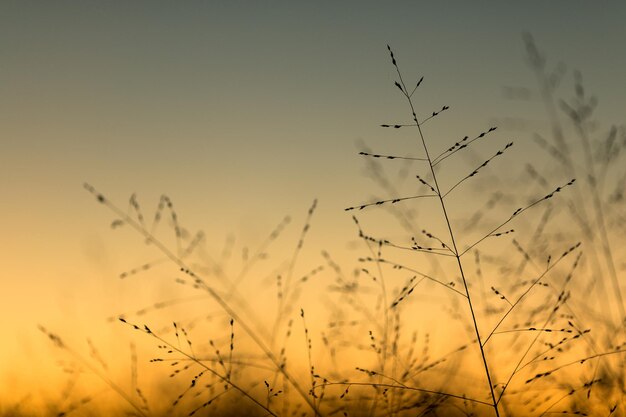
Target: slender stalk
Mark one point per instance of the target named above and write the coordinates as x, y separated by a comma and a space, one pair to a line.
403, 387
469, 298
193, 358
579, 208
57, 341
452, 238
600, 221
202, 284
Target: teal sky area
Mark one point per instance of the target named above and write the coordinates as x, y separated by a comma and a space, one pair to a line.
235, 102
243, 112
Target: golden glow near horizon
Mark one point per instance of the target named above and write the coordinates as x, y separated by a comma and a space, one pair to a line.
243, 117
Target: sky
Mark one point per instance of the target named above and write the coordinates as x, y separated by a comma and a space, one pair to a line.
242, 113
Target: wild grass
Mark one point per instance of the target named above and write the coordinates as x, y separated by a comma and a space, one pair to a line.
470, 307
593, 154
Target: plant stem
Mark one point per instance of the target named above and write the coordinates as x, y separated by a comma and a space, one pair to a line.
458, 260
203, 285
456, 252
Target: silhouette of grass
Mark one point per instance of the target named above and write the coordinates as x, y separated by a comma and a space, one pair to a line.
514, 339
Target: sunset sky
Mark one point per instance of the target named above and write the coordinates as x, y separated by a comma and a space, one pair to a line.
242, 113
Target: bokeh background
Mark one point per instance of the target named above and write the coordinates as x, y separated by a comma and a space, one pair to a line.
242, 113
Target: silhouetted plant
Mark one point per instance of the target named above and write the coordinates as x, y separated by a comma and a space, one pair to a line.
448, 246
522, 331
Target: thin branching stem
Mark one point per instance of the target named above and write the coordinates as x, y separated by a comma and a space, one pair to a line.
515, 214
560, 299
494, 403
428, 277
405, 387
193, 358
405, 158
55, 339
202, 284
391, 200
521, 297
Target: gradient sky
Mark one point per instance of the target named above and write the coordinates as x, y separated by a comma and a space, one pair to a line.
241, 112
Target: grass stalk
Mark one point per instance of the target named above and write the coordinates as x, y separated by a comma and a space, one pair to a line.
457, 256
201, 282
